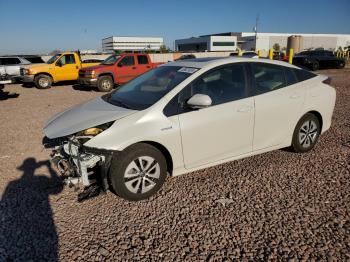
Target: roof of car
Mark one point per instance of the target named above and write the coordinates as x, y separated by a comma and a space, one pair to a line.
217, 61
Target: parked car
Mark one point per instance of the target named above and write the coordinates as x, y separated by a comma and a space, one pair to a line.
248, 54
34, 59
184, 57
188, 115
116, 69
60, 67
318, 59
11, 65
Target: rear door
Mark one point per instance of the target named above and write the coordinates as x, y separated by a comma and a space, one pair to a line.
278, 102
143, 64
126, 70
66, 68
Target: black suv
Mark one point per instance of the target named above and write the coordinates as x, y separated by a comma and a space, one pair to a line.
317, 59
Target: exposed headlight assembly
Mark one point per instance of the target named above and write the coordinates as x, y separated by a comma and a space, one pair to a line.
94, 131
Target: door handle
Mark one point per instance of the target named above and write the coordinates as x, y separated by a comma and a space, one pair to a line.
244, 109
76, 67
294, 96
148, 67
133, 67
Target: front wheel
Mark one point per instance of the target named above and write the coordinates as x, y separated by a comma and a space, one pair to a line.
315, 66
43, 81
306, 133
138, 172
105, 83
341, 65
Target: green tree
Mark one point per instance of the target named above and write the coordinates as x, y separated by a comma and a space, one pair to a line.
164, 49
276, 47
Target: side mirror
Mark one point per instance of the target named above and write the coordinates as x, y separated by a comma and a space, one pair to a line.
59, 63
199, 101
120, 65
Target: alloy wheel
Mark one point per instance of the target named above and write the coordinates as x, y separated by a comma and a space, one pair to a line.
142, 174
308, 133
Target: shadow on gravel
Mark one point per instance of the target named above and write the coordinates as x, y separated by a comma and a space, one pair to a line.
83, 88
7, 95
27, 229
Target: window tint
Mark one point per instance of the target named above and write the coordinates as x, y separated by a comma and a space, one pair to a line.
291, 78
67, 59
142, 59
1, 61
303, 75
267, 77
222, 85
128, 61
10, 61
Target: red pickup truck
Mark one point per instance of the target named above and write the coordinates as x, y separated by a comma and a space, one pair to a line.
116, 69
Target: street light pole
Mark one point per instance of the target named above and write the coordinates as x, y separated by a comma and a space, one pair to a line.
256, 31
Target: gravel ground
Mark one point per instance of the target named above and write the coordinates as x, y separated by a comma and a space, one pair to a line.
275, 206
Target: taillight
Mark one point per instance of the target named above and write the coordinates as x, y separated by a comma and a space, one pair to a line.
327, 81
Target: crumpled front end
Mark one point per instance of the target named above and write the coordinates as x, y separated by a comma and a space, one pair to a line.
79, 164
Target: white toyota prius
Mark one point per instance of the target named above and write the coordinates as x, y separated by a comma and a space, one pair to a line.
188, 115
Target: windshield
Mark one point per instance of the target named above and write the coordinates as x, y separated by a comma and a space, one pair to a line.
110, 60
147, 89
53, 59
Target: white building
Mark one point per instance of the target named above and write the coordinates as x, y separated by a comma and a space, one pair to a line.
265, 41
206, 43
126, 43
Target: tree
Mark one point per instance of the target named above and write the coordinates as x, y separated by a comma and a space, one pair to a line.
164, 49
276, 47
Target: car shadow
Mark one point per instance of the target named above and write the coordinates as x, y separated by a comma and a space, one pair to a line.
27, 228
4, 95
85, 88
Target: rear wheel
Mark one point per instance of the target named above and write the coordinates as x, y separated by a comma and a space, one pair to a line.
306, 133
138, 172
43, 81
105, 83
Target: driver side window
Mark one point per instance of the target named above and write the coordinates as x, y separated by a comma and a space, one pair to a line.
127, 61
67, 59
222, 85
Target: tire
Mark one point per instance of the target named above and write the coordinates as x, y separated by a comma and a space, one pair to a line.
341, 65
138, 172
43, 81
306, 133
315, 66
105, 83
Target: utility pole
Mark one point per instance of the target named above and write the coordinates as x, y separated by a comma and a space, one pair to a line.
256, 30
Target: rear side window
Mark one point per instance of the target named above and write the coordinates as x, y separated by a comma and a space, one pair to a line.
142, 60
127, 61
268, 77
303, 75
291, 78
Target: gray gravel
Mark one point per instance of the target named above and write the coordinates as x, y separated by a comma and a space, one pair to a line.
275, 206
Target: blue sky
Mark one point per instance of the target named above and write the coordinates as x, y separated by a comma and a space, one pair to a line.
39, 26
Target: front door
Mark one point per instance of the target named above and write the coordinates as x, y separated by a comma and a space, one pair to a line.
66, 68
223, 130
127, 69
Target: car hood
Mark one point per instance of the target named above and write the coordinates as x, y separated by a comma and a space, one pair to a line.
92, 113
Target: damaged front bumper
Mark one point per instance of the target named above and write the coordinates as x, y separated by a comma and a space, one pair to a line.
79, 164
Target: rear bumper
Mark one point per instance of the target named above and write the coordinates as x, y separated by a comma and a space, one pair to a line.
87, 81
